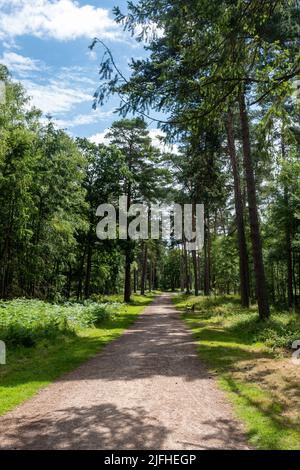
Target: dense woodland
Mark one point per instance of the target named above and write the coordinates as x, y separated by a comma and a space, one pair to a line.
224, 74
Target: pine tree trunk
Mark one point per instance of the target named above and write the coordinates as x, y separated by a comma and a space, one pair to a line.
182, 269
144, 269
127, 282
150, 276
261, 288
290, 293
239, 209
79, 285
135, 280
199, 272
127, 287
195, 266
69, 282
207, 256
194, 254
186, 269
88, 269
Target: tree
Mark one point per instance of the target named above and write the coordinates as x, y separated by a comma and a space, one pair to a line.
205, 62
105, 173
142, 178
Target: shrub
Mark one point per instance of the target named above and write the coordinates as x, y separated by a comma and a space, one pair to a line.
24, 322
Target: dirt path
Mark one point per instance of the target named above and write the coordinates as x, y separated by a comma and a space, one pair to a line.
146, 390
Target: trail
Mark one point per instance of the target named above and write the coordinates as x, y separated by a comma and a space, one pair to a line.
146, 390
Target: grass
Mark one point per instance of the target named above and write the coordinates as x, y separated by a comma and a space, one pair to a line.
251, 361
25, 322
28, 369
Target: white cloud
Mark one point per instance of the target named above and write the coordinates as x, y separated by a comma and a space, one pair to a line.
18, 63
155, 134
83, 119
77, 74
55, 90
58, 19
55, 97
99, 138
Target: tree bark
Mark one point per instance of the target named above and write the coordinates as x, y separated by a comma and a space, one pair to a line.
127, 287
127, 283
207, 283
261, 287
150, 276
239, 210
135, 280
186, 268
194, 255
144, 269
69, 281
182, 268
79, 285
289, 259
88, 268
195, 266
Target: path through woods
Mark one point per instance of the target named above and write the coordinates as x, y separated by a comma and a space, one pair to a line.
145, 390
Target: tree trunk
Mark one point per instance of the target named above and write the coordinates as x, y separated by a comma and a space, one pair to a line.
150, 276
182, 269
79, 286
289, 259
127, 286
290, 294
144, 269
199, 272
195, 266
239, 210
186, 267
135, 280
294, 278
261, 288
127, 283
194, 255
88, 268
207, 258
69, 282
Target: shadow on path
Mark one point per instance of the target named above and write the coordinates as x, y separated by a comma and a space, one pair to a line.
95, 427
146, 390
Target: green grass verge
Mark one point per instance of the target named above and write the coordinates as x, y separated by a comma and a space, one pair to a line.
29, 369
245, 354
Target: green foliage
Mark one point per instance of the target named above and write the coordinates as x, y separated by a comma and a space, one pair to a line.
26, 322
171, 270
29, 369
50, 188
207, 55
247, 358
276, 333
225, 263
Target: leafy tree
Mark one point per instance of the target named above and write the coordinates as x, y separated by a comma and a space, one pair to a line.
143, 175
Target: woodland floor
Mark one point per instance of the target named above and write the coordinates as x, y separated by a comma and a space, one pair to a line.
147, 389
249, 361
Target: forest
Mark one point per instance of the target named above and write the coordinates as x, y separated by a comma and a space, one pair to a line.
221, 81
233, 108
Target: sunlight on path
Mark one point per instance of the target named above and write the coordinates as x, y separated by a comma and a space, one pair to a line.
145, 390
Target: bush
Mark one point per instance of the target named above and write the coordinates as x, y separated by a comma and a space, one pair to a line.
25, 322
280, 331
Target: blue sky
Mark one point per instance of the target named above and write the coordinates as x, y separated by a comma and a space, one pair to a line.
45, 43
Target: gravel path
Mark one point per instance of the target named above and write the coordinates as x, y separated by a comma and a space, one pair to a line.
145, 390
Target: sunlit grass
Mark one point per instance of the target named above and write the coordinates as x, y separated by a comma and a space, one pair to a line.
28, 369
249, 360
